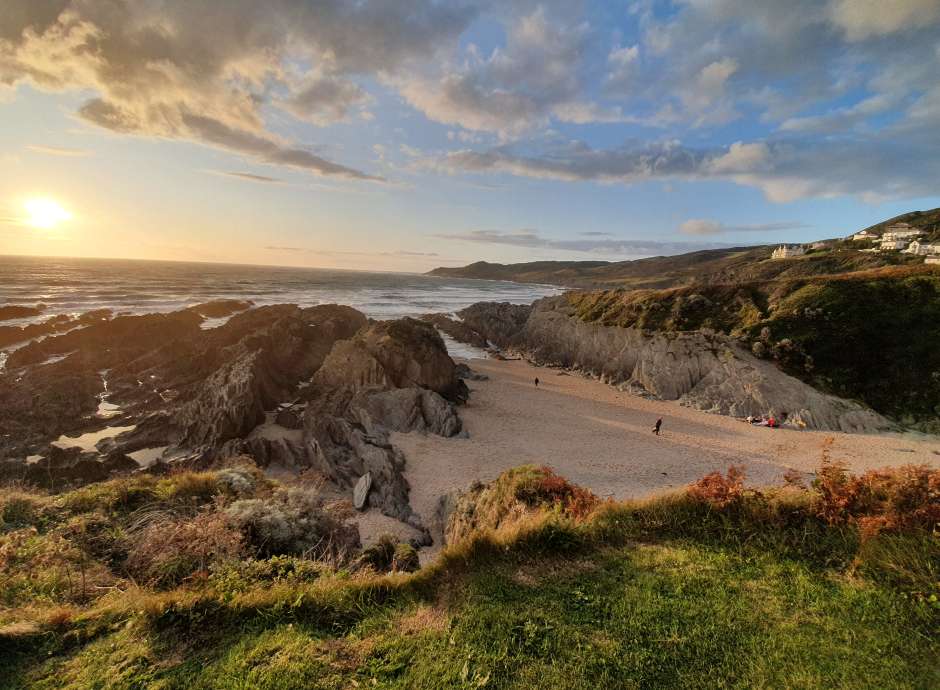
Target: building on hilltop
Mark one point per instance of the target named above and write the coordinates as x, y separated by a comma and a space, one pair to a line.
785, 251
892, 245
864, 235
919, 248
896, 233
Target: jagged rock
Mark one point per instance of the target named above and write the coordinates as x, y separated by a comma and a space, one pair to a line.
458, 330
499, 322
290, 418
393, 354
700, 369
405, 410
361, 491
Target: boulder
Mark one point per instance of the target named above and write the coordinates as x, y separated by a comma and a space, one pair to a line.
361, 491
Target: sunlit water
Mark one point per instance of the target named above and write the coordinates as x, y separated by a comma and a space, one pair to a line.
75, 286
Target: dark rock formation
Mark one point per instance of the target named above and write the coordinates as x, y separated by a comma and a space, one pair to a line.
220, 307
17, 311
499, 322
458, 330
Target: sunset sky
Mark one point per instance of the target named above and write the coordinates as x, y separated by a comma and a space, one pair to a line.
408, 134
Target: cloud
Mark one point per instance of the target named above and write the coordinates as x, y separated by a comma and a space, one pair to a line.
63, 151
701, 226
205, 71
324, 99
907, 155
250, 177
862, 19
605, 247
516, 88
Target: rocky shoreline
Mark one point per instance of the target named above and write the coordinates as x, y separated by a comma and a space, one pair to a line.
297, 390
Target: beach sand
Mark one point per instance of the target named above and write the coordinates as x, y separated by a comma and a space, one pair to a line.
597, 436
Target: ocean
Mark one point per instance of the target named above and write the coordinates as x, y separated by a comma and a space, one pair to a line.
75, 286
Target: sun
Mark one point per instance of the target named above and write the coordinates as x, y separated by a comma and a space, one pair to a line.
45, 213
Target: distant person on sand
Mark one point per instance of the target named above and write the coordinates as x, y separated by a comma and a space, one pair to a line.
659, 423
536, 381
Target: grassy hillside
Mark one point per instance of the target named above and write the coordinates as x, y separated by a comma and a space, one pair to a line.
544, 586
869, 335
734, 264
697, 268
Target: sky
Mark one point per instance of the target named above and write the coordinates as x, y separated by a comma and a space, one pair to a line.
406, 134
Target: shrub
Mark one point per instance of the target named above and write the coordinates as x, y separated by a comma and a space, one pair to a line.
888, 499
235, 480
194, 487
405, 559
293, 522
18, 509
719, 490
388, 554
166, 553
550, 489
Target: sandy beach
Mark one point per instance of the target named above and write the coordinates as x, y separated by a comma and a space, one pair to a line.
602, 438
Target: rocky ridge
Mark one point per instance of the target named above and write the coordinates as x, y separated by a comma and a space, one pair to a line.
700, 369
294, 389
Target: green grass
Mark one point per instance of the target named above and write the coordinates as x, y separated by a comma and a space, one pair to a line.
652, 615
656, 594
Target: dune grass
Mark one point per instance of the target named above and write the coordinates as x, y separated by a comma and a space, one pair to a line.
716, 587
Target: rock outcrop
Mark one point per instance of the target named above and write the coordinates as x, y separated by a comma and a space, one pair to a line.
700, 369
294, 389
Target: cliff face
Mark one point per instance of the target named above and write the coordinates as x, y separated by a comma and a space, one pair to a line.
703, 370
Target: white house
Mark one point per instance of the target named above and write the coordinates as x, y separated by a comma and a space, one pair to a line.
887, 245
901, 234
932, 260
864, 235
785, 251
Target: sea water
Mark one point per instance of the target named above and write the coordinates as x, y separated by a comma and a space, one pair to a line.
75, 286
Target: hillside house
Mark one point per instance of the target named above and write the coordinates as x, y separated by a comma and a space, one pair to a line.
864, 235
785, 251
919, 248
892, 245
932, 260
901, 234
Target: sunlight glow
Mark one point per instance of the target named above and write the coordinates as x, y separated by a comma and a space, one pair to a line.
45, 213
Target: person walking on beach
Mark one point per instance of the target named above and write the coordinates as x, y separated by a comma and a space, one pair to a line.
659, 423
536, 381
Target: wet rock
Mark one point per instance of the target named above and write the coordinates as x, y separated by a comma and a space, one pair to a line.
220, 307
17, 311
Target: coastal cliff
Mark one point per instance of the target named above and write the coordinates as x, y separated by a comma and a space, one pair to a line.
701, 369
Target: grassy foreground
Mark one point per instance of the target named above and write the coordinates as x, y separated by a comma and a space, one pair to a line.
542, 586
